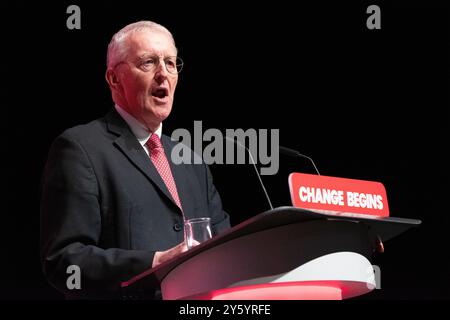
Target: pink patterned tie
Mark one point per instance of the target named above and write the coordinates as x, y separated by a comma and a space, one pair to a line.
159, 159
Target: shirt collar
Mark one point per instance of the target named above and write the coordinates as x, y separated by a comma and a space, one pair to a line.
139, 130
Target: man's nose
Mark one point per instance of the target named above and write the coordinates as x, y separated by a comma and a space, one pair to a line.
161, 72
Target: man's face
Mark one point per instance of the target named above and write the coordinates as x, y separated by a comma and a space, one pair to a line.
146, 87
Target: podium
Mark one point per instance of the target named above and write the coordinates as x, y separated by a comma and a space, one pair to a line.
285, 253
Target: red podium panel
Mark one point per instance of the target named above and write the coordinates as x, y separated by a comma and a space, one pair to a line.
296, 290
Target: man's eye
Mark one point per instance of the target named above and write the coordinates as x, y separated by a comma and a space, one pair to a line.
170, 63
149, 62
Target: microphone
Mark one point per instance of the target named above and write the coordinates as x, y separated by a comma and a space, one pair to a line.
238, 143
295, 153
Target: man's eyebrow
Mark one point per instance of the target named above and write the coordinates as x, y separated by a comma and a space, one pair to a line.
147, 54
152, 54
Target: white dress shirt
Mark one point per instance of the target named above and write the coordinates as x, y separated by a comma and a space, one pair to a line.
140, 131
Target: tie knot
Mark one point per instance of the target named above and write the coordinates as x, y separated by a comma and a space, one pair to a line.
154, 142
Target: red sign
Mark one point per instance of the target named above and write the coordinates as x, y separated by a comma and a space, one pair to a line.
338, 195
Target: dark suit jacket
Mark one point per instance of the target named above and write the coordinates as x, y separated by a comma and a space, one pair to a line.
105, 208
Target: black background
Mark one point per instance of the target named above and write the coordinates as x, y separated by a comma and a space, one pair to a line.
364, 104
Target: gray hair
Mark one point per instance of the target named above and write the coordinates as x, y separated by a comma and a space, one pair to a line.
117, 51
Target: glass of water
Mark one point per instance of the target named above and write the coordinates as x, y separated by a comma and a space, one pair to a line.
197, 230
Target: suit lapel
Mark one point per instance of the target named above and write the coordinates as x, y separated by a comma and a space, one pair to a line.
130, 146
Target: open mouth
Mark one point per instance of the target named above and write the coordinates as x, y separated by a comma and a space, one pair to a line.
160, 93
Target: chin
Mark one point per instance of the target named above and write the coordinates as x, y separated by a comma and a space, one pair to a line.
163, 112
159, 112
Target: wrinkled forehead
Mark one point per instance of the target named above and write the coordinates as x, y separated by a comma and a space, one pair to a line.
150, 42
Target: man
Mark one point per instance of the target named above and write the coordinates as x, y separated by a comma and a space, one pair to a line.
113, 203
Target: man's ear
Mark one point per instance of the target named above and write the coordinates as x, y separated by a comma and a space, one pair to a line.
112, 79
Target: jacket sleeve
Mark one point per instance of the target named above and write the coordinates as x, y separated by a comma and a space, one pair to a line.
71, 224
219, 218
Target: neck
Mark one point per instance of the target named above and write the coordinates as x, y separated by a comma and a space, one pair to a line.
151, 126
